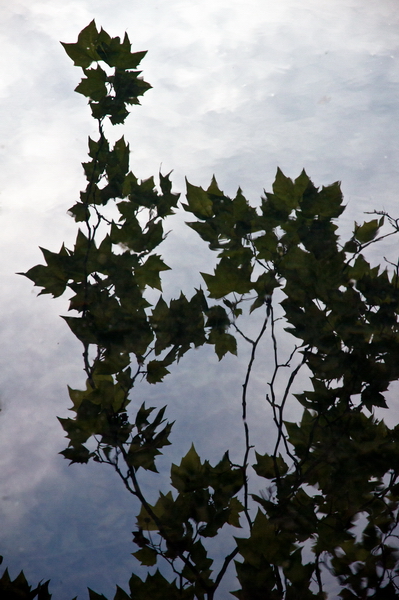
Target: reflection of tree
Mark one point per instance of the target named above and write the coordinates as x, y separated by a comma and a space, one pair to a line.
337, 464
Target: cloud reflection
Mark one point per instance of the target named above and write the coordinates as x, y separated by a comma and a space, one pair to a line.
239, 88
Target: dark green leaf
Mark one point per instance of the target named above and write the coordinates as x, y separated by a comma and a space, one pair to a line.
147, 556
366, 232
229, 277
93, 86
199, 202
270, 467
84, 52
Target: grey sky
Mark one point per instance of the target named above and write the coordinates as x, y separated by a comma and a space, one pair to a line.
240, 87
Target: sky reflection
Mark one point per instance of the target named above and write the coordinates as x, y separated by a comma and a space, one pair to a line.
239, 89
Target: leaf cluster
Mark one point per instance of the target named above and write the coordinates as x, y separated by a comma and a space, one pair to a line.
19, 588
125, 82
344, 314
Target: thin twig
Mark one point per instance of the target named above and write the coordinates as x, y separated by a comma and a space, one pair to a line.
278, 409
244, 414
